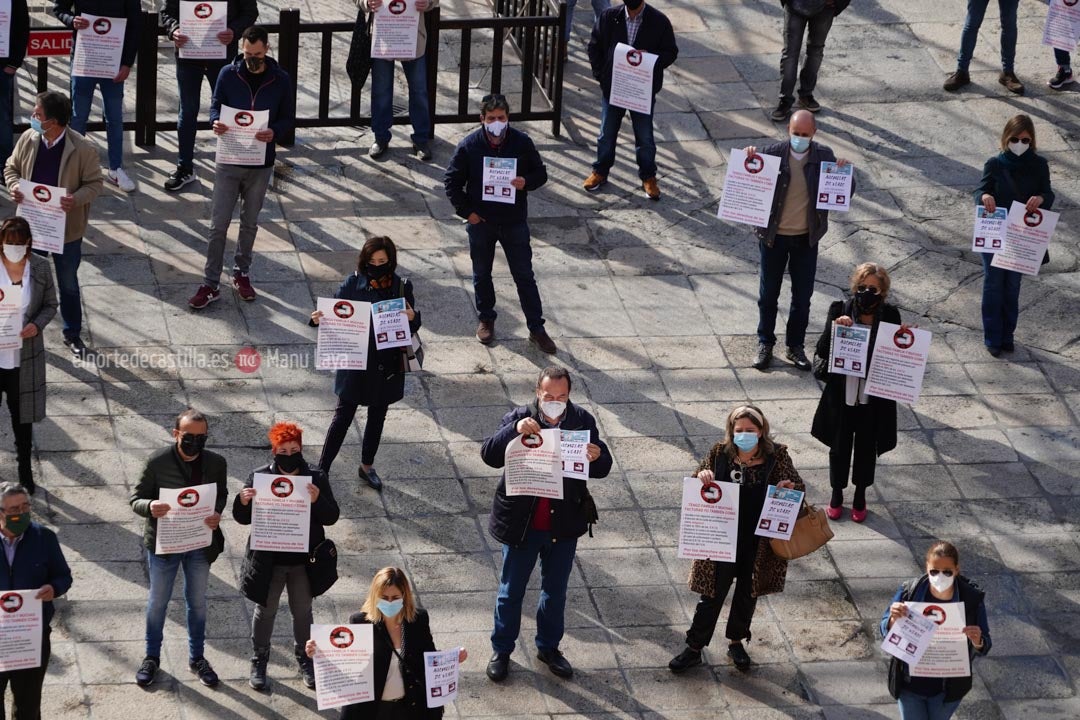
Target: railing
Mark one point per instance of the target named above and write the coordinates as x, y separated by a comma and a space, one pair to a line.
538, 39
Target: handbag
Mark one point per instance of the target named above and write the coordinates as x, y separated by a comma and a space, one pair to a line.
811, 532
806, 8
412, 357
322, 567
588, 509
358, 64
702, 578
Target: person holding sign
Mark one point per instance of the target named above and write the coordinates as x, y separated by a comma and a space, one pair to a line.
414, 64
193, 68
383, 382
402, 634
50, 153
265, 574
531, 528
922, 692
11, 59
254, 81
185, 463
646, 30
750, 458
790, 240
70, 13
848, 420
1016, 174
28, 284
32, 560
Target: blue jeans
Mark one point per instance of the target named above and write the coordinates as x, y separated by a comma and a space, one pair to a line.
382, 99
7, 134
112, 97
556, 562
976, 9
67, 280
1000, 303
514, 238
611, 118
598, 6
917, 707
1062, 58
189, 80
800, 258
196, 578
816, 30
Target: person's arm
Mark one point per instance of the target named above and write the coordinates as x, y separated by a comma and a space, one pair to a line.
20, 33
242, 513
325, 510
536, 175
219, 96
669, 49
455, 180
59, 571
64, 11
133, 13
410, 298
985, 628
822, 348
282, 121
11, 169
709, 460
493, 451
145, 492
169, 15
786, 471
988, 184
884, 625
247, 13
1044, 188
597, 46
222, 483
601, 466
427, 640
91, 181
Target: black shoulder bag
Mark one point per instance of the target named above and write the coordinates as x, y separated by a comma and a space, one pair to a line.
358, 64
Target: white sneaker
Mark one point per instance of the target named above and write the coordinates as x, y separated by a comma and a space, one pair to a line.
120, 179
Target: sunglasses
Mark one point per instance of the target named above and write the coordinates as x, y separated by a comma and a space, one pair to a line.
934, 573
1025, 141
868, 288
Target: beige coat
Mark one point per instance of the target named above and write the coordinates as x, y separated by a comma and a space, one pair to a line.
80, 174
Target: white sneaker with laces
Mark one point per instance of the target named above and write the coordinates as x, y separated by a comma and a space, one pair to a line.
120, 179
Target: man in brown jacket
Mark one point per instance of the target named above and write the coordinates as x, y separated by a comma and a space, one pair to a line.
50, 153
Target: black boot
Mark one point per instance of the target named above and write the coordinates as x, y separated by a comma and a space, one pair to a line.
23, 446
258, 670
307, 669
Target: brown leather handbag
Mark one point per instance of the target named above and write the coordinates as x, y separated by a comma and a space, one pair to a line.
811, 532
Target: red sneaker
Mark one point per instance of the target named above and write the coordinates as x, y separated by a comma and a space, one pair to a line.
203, 297
834, 513
242, 283
858, 515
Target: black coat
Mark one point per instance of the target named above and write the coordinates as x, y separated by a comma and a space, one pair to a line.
20, 35
1007, 178
511, 516
383, 383
418, 641
654, 36
258, 565
832, 403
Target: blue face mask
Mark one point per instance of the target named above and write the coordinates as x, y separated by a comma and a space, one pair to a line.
390, 608
746, 441
800, 144
35, 125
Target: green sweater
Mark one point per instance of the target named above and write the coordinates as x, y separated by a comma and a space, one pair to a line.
166, 469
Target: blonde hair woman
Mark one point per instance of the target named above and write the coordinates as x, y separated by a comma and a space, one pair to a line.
402, 636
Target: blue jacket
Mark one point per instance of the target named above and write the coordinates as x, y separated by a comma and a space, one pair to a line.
463, 181
275, 95
38, 561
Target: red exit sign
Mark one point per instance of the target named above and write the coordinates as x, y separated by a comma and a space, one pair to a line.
46, 43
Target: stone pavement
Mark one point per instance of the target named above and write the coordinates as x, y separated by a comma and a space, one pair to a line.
988, 458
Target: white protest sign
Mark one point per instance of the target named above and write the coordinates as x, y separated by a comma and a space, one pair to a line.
391, 324
749, 186
575, 454
498, 172
5, 28
989, 232
909, 637
201, 22
344, 671
1062, 29
184, 527
342, 342
899, 362
834, 187
281, 513
20, 630
947, 655
393, 34
41, 208
848, 349
632, 79
781, 510
534, 465
98, 47
441, 671
237, 145
709, 522
1027, 236
11, 317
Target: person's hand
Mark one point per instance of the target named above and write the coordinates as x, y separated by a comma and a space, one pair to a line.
121, 76
896, 611
10, 70
31, 330
266, 135
841, 162
317, 316
907, 326
475, 219
786, 484
409, 312
374, 5
1034, 203
180, 39
313, 491
974, 634
527, 426
46, 593
750, 151
705, 476
518, 183
463, 654
159, 509
80, 23
212, 521
845, 320
309, 648
592, 452
225, 36
17, 195
988, 202
67, 203
220, 128
422, 6
246, 495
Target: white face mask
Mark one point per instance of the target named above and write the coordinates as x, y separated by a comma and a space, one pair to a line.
496, 127
15, 253
553, 408
1018, 148
942, 582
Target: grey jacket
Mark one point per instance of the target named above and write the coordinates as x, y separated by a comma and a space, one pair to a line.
39, 310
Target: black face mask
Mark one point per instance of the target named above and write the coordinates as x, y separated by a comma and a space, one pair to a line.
633, 4
377, 272
192, 445
867, 301
288, 463
254, 64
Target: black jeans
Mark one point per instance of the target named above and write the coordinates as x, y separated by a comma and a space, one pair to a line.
26, 685
795, 26
24, 432
856, 432
742, 606
795, 254
397, 710
339, 427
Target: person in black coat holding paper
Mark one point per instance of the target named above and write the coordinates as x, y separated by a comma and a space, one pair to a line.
1017, 173
402, 634
383, 382
847, 419
265, 573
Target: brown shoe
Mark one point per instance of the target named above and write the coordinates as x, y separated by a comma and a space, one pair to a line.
594, 181
1011, 83
485, 332
957, 80
543, 341
652, 188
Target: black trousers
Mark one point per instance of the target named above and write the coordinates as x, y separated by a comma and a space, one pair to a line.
24, 432
339, 427
398, 710
742, 605
26, 686
856, 435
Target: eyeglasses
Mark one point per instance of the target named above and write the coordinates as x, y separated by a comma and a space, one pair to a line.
1025, 141
497, 97
22, 509
934, 573
868, 288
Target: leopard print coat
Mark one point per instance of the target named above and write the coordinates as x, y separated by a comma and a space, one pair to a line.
770, 571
